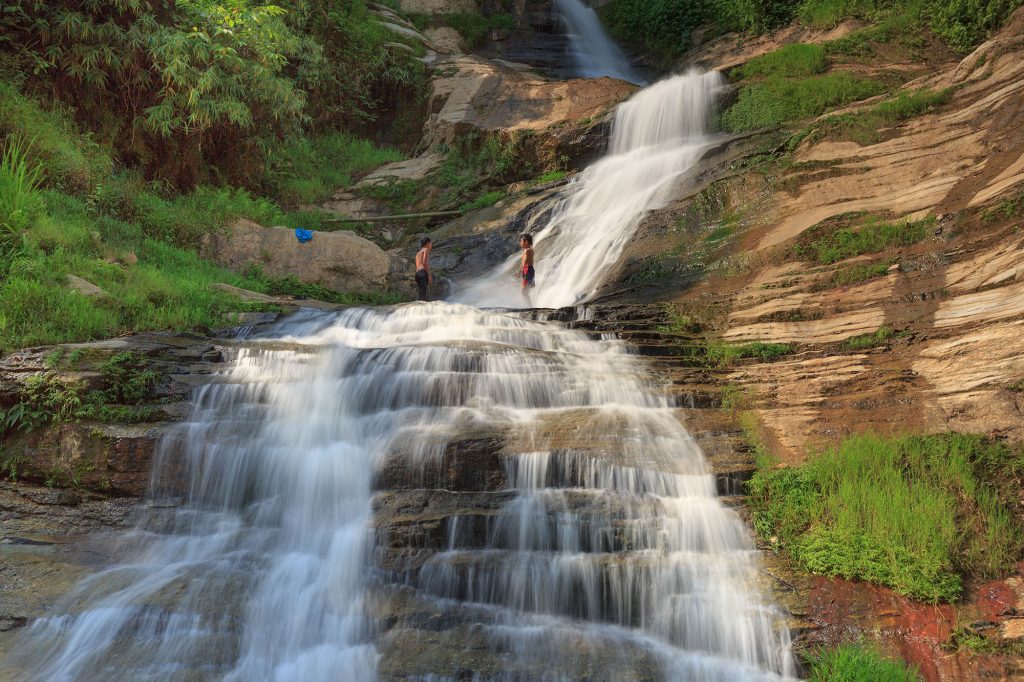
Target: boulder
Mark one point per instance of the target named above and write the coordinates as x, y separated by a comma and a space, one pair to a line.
85, 287
340, 261
446, 40
473, 94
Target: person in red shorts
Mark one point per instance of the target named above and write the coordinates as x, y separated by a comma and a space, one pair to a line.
528, 273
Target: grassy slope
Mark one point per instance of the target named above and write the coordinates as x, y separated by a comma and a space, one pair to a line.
918, 513
135, 240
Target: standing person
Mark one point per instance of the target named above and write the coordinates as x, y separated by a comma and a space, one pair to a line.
528, 273
424, 278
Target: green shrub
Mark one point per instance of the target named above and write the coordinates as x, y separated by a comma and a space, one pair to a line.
880, 337
483, 201
19, 199
965, 23
722, 354
65, 158
308, 170
660, 26
873, 237
915, 513
798, 59
854, 274
865, 127
857, 663
777, 100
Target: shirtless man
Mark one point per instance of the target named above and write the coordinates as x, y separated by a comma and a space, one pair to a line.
528, 273
424, 278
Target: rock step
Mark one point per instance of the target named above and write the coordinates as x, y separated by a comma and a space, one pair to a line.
612, 588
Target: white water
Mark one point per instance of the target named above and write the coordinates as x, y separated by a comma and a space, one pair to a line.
656, 137
594, 53
613, 560
608, 558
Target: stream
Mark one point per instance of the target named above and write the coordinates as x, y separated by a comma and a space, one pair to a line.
595, 548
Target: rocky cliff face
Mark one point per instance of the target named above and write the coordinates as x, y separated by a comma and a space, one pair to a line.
953, 300
919, 337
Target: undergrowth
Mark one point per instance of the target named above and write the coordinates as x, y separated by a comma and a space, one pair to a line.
136, 240
790, 61
127, 381
776, 100
857, 663
868, 127
872, 237
853, 274
308, 170
722, 354
916, 513
878, 338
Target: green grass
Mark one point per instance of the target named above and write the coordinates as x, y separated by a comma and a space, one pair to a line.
679, 323
721, 354
1007, 209
965, 23
483, 201
829, 13
68, 160
798, 59
854, 274
19, 199
873, 237
857, 663
915, 513
398, 195
290, 286
879, 338
778, 100
866, 127
548, 176
905, 23
962, 24
306, 170
87, 222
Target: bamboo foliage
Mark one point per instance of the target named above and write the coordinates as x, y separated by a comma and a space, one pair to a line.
191, 88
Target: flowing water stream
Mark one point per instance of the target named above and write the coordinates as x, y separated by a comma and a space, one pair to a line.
656, 137
587, 544
593, 52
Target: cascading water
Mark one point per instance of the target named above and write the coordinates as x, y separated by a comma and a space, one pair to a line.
594, 53
611, 560
584, 542
656, 137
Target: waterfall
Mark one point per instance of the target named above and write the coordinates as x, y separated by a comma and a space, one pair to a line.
605, 555
656, 137
594, 53
333, 521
